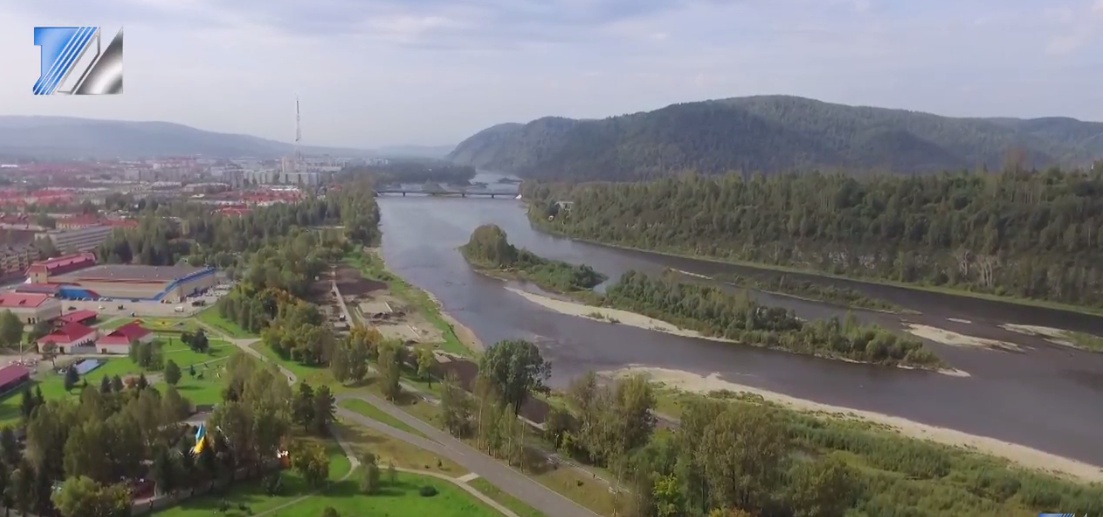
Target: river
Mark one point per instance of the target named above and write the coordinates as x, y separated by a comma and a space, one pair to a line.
1049, 398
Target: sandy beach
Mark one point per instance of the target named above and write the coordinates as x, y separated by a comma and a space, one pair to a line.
1019, 454
633, 319
951, 338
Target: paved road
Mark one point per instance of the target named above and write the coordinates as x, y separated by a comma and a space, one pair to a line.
498, 474
503, 477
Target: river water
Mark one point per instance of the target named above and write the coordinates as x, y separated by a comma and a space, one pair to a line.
1049, 398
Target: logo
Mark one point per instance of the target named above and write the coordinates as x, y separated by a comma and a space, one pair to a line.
72, 57
1057, 515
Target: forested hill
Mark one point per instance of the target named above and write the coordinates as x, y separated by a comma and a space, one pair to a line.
1032, 235
774, 134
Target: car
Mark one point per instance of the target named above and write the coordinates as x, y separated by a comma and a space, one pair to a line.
72, 308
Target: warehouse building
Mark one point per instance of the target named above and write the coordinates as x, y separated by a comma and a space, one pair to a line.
40, 272
119, 341
31, 308
83, 239
12, 377
71, 338
124, 282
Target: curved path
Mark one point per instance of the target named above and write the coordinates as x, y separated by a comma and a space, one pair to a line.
498, 474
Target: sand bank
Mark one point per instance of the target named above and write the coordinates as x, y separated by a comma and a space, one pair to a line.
1019, 454
633, 319
959, 320
948, 337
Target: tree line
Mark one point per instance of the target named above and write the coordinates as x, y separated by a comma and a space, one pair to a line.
738, 317
1030, 234
489, 248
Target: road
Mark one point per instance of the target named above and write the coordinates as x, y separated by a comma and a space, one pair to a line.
498, 474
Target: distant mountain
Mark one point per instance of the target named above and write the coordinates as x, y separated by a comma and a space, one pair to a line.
415, 151
773, 134
71, 138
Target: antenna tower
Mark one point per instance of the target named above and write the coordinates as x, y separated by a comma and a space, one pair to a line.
298, 140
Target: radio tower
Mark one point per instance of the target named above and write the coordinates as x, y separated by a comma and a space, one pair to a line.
297, 145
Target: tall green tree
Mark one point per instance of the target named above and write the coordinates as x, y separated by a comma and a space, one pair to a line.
515, 368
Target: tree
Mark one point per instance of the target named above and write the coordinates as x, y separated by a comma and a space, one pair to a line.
11, 329
323, 410
391, 473
515, 369
83, 497
370, 480
71, 378
824, 488
455, 407
175, 407
425, 361
105, 385
164, 471
50, 351
303, 405
23, 487
27, 403
41, 329
329, 512
199, 343
310, 460
142, 383
9, 448
171, 373
391, 356
117, 384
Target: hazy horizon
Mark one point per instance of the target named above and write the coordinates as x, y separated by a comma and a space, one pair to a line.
389, 73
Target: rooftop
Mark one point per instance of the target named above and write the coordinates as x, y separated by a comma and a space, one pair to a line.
68, 333
22, 300
12, 372
78, 316
126, 333
134, 272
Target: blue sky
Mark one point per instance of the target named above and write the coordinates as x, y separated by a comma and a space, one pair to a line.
372, 73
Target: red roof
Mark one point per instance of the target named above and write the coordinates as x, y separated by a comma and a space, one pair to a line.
66, 263
22, 300
78, 316
12, 372
125, 334
68, 333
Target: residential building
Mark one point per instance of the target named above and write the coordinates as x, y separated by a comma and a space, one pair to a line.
70, 338
83, 239
119, 341
31, 308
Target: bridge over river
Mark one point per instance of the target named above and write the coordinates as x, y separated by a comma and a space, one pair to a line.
442, 192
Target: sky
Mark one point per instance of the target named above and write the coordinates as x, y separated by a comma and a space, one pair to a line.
373, 73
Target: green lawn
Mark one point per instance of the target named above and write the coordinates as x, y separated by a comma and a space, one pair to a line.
158, 325
313, 375
370, 411
211, 317
251, 494
516, 505
400, 500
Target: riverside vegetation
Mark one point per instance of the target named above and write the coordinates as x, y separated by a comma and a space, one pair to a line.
835, 295
1034, 235
489, 250
706, 309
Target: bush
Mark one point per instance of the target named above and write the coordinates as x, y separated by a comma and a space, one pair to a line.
272, 484
428, 491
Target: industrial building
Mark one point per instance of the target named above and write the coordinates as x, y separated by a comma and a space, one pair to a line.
157, 283
31, 308
71, 338
12, 377
40, 272
82, 239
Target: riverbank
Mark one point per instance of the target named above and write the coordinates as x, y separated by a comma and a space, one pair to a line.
632, 319
1018, 454
1029, 302
457, 338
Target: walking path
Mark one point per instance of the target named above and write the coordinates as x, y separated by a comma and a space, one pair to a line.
498, 474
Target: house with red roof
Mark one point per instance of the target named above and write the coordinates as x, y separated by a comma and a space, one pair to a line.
41, 271
12, 376
85, 317
31, 308
69, 337
119, 341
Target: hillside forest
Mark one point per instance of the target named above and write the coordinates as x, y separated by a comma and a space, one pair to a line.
774, 133
1027, 234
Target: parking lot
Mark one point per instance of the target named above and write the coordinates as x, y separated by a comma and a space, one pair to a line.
141, 308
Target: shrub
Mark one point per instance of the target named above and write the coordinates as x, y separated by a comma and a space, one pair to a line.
428, 491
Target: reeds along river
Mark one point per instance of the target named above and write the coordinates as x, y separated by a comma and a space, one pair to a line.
1048, 398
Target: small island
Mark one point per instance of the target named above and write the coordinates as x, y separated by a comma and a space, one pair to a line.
705, 310
489, 252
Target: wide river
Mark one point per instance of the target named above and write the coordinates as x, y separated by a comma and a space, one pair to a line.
1048, 398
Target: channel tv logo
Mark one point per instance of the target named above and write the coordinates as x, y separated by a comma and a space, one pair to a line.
1057, 515
72, 57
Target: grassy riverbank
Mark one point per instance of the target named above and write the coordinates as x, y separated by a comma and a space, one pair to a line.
952, 291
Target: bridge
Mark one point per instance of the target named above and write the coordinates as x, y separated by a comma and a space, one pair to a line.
444, 192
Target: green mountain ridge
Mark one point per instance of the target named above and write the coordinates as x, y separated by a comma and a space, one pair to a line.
773, 134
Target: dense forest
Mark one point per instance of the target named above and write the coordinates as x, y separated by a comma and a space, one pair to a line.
772, 134
1024, 234
412, 170
489, 249
793, 286
714, 312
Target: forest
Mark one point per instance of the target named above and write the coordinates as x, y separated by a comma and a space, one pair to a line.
1028, 234
770, 134
793, 286
738, 317
489, 250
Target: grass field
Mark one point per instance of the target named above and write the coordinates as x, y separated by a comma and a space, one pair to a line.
212, 318
506, 500
158, 325
371, 411
389, 449
251, 494
399, 500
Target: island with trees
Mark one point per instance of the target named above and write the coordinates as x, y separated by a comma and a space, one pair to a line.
489, 251
1020, 235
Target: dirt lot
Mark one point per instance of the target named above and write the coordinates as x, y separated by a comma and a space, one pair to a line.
404, 323
351, 282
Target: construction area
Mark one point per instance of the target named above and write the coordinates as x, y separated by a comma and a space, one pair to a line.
369, 302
